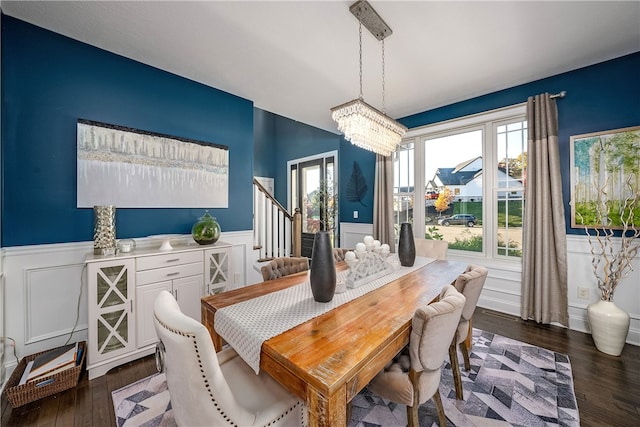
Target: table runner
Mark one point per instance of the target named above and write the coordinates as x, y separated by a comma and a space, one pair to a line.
246, 325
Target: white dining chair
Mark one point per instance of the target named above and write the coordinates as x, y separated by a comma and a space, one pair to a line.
432, 248
209, 389
469, 284
413, 376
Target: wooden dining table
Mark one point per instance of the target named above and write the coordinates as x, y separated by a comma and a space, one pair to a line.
327, 360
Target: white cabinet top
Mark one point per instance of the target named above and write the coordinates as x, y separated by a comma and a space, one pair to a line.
151, 248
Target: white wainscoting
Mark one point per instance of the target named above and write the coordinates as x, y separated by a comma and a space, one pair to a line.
44, 282
352, 233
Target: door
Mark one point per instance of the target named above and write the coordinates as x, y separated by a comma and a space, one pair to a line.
145, 298
313, 184
188, 291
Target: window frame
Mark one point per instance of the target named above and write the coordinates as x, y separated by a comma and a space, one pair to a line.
488, 122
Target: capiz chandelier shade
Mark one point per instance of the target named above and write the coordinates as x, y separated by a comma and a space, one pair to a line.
367, 127
363, 125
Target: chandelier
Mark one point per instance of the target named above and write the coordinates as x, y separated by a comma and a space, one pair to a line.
363, 125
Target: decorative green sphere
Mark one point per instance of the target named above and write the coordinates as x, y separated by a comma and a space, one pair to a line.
206, 230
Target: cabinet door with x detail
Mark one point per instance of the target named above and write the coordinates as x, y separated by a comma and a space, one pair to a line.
217, 267
111, 309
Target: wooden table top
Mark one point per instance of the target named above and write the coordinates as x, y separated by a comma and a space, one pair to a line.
339, 352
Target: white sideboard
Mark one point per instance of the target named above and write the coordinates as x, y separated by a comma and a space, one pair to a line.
122, 291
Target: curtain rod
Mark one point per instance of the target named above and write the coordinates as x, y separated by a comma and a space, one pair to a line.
562, 94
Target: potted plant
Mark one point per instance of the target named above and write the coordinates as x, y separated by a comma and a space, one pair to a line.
611, 259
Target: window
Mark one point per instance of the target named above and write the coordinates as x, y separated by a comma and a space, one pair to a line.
464, 180
403, 188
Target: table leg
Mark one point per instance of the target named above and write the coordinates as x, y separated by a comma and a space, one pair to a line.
207, 320
326, 411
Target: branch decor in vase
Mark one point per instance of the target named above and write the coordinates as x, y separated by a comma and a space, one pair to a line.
611, 259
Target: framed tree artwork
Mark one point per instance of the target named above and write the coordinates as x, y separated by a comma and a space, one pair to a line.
605, 178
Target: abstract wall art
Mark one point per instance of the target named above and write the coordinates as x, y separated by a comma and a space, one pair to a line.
130, 168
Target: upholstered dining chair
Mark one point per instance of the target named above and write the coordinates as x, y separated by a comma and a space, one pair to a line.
216, 389
469, 284
413, 376
432, 248
338, 254
283, 266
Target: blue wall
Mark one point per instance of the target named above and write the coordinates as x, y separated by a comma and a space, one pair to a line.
279, 140
600, 97
264, 155
295, 140
49, 81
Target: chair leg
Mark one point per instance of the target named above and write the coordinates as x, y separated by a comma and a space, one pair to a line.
412, 416
412, 411
455, 369
465, 356
442, 418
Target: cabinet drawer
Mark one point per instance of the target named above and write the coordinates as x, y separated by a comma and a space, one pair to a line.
168, 273
166, 260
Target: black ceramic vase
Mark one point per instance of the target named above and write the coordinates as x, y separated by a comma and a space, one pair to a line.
406, 246
323, 271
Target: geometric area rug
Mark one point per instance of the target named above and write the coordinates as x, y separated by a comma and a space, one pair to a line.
510, 383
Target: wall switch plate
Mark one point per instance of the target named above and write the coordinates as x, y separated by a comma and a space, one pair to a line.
355, 214
583, 293
236, 277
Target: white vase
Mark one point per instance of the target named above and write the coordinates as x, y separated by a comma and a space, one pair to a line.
609, 326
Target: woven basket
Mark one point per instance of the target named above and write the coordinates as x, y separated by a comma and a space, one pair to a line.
18, 395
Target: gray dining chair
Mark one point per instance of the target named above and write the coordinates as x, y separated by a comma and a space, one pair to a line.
338, 254
432, 248
283, 266
413, 376
469, 284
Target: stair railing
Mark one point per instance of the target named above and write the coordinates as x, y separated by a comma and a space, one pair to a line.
276, 232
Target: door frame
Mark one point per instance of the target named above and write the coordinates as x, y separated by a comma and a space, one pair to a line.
336, 178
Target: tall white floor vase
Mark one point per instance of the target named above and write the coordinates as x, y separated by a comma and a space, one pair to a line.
609, 326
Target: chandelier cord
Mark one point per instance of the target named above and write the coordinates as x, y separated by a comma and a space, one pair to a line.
384, 108
360, 31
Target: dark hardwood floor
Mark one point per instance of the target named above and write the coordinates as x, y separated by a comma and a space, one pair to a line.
607, 387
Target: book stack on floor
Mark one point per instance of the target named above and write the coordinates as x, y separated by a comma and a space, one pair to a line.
51, 362
45, 373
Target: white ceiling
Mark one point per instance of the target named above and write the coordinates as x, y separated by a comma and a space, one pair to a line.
300, 58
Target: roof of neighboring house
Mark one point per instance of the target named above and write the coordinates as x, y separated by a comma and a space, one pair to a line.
449, 176
504, 171
458, 176
432, 184
460, 166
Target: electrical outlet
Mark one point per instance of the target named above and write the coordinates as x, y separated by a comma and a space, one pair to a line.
355, 214
583, 293
236, 277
